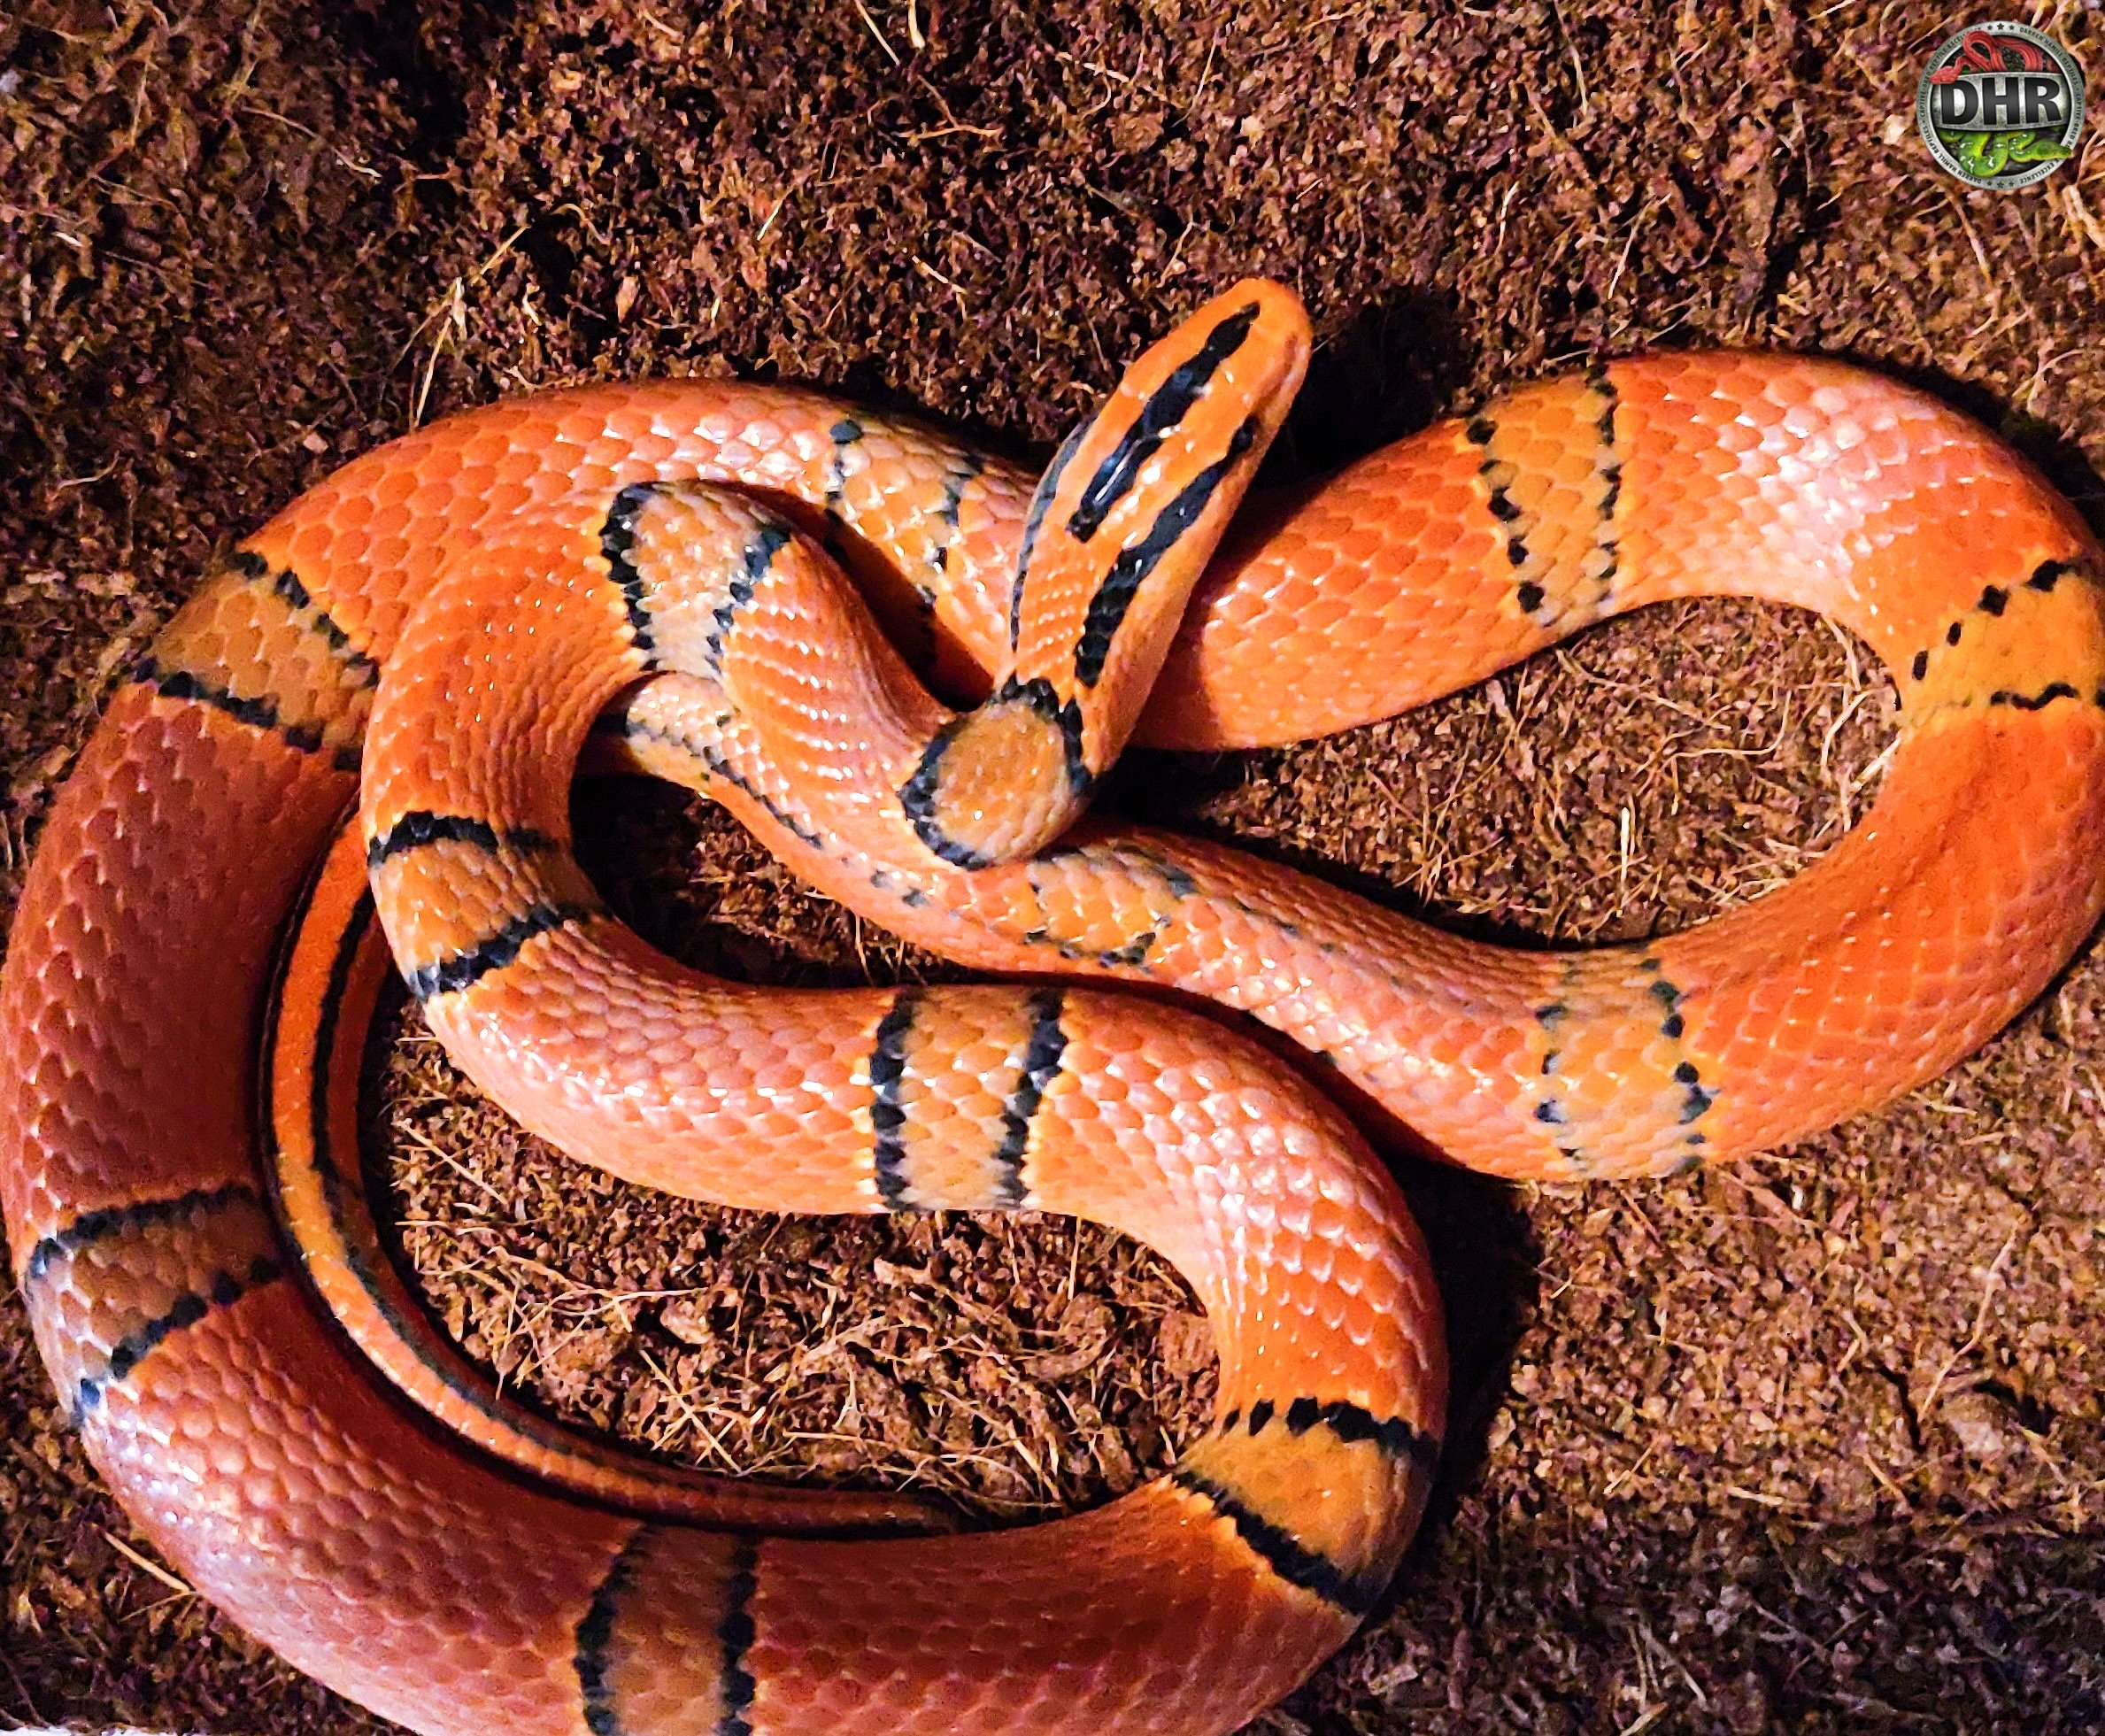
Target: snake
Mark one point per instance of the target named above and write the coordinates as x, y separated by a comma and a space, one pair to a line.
1989, 154
907, 666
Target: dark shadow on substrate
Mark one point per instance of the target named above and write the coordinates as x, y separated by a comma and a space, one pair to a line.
1394, 367
1722, 1619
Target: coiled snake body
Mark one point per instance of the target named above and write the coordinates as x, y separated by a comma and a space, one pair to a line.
442, 627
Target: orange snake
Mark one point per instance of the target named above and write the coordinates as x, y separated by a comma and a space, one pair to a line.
473, 605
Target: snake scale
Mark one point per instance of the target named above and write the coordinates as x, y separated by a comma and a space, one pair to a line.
650, 575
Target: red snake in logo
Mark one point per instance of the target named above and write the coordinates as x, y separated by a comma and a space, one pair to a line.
1981, 52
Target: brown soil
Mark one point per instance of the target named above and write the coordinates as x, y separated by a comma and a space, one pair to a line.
1813, 1445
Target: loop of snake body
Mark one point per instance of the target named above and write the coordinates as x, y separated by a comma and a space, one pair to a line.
639, 574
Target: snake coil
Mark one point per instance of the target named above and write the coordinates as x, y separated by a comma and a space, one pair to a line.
439, 630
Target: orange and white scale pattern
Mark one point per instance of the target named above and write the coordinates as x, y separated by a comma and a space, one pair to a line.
438, 631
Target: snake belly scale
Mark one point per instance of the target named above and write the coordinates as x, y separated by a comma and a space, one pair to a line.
436, 633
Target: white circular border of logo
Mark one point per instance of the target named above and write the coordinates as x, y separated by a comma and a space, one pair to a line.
2071, 70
